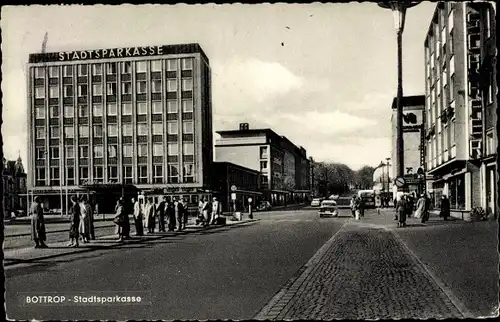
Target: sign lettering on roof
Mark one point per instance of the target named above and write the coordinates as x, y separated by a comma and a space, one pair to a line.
110, 53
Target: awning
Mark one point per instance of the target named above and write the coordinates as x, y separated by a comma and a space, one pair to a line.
257, 193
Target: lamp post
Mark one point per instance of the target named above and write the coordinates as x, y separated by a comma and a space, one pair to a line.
398, 8
388, 175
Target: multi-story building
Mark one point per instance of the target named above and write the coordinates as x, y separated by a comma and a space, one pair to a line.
413, 120
460, 89
284, 167
119, 121
14, 186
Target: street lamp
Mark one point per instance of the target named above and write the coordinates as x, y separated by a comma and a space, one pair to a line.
398, 8
388, 175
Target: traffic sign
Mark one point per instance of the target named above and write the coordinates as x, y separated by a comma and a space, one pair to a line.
233, 196
400, 182
420, 171
233, 188
249, 200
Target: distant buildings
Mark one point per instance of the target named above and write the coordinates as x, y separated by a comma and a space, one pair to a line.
284, 168
461, 105
119, 122
14, 186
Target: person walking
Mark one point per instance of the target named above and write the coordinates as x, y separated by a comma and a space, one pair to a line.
427, 209
149, 215
179, 213
185, 212
138, 215
84, 220
206, 210
361, 207
419, 212
352, 205
90, 214
170, 212
445, 207
401, 210
74, 222
161, 214
200, 220
216, 211
38, 233
127, 210
119, 219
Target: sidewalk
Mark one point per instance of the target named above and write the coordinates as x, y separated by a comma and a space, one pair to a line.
57, 249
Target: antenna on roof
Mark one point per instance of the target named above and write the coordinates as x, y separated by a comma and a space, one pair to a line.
44, 43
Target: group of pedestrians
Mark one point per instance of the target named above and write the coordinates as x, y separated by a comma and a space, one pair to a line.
357, 207
208, 212
405, 208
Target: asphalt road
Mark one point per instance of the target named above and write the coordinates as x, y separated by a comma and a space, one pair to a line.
225, 273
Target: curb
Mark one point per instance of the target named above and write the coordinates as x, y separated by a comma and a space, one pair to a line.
115, 245
53, 231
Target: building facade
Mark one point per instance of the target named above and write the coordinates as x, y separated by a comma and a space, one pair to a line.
461, 89
284, 168
413, 134
119, 121
14, 186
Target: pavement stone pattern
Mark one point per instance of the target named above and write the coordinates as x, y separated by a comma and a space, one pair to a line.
365, 273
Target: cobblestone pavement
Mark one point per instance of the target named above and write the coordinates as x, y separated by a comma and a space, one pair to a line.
363, 272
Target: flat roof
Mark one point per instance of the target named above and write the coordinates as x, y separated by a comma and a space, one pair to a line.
415, 100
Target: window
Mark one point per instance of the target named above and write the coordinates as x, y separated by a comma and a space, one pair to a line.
187, 127
98, 173
54, 71
54, 111
140, 67
142, 129
172, 107
54, 132
69, 132
39, 92
263, 165
111, 88
112, 109
70, 176
157, 173
141, 87
172, 149
173, 173
54, 176
84, 152
112, 151
187, 106
171, 85
112, 130
97, 90
156, 86
127, 174
54, 153
126, 88
82, 90
171, 64
98, 151
40, 132
157, 149
70, 152
187, 63
111, 68
156, 66
142, 108
187, 148
68, 91
188, 172
68, 71
84, 174
39, 72
263, 152
157, 128
156, 107
97, 69
82, 70
127, 129
112, 173
126, 67
126, 108
40, 153
143, 174
39, 112
53, 91
127, 150
264, 180
187, 84
97, 130
97, 109
172, 128
83, 111
40, 176
142, 150
83, 131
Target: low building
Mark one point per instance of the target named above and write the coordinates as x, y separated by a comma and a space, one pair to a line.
14, 186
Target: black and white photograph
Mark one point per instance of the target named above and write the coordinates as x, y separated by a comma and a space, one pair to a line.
250, 161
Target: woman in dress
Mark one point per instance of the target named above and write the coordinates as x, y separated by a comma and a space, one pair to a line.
119, 219
150, 216
74, 222
84, 221
38, 234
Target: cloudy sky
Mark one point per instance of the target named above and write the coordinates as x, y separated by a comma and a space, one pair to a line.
323, 75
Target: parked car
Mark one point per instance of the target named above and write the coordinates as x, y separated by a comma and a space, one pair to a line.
316, 202
264, 205
328, 208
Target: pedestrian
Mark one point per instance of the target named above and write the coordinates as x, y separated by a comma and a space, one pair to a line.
74, 222
445, 207
84, 227
138, 215
200, 220
179, 213
207, 208
119, 219
361, 206
149, 215
161, 214
185, 212
170, 215
90, 214
427, 208
352, 205
401, 211
216, 211
419, 212
38, 233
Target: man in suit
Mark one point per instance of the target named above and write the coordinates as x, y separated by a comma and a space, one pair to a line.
161, 213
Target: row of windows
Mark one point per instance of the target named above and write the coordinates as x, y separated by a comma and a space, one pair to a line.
112, 173
111, 68
127, 151
111, 88
112, 109
112, 130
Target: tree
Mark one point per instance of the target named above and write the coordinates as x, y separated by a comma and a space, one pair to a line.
364, 177
332, 178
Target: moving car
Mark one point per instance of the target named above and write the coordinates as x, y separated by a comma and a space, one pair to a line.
316, 202
328, 208
264, 205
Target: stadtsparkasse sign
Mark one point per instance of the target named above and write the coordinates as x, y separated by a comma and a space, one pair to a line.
124, 52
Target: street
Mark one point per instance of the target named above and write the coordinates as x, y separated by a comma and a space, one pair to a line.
285, 265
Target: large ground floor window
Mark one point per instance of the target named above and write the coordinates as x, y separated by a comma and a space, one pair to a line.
456, 192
